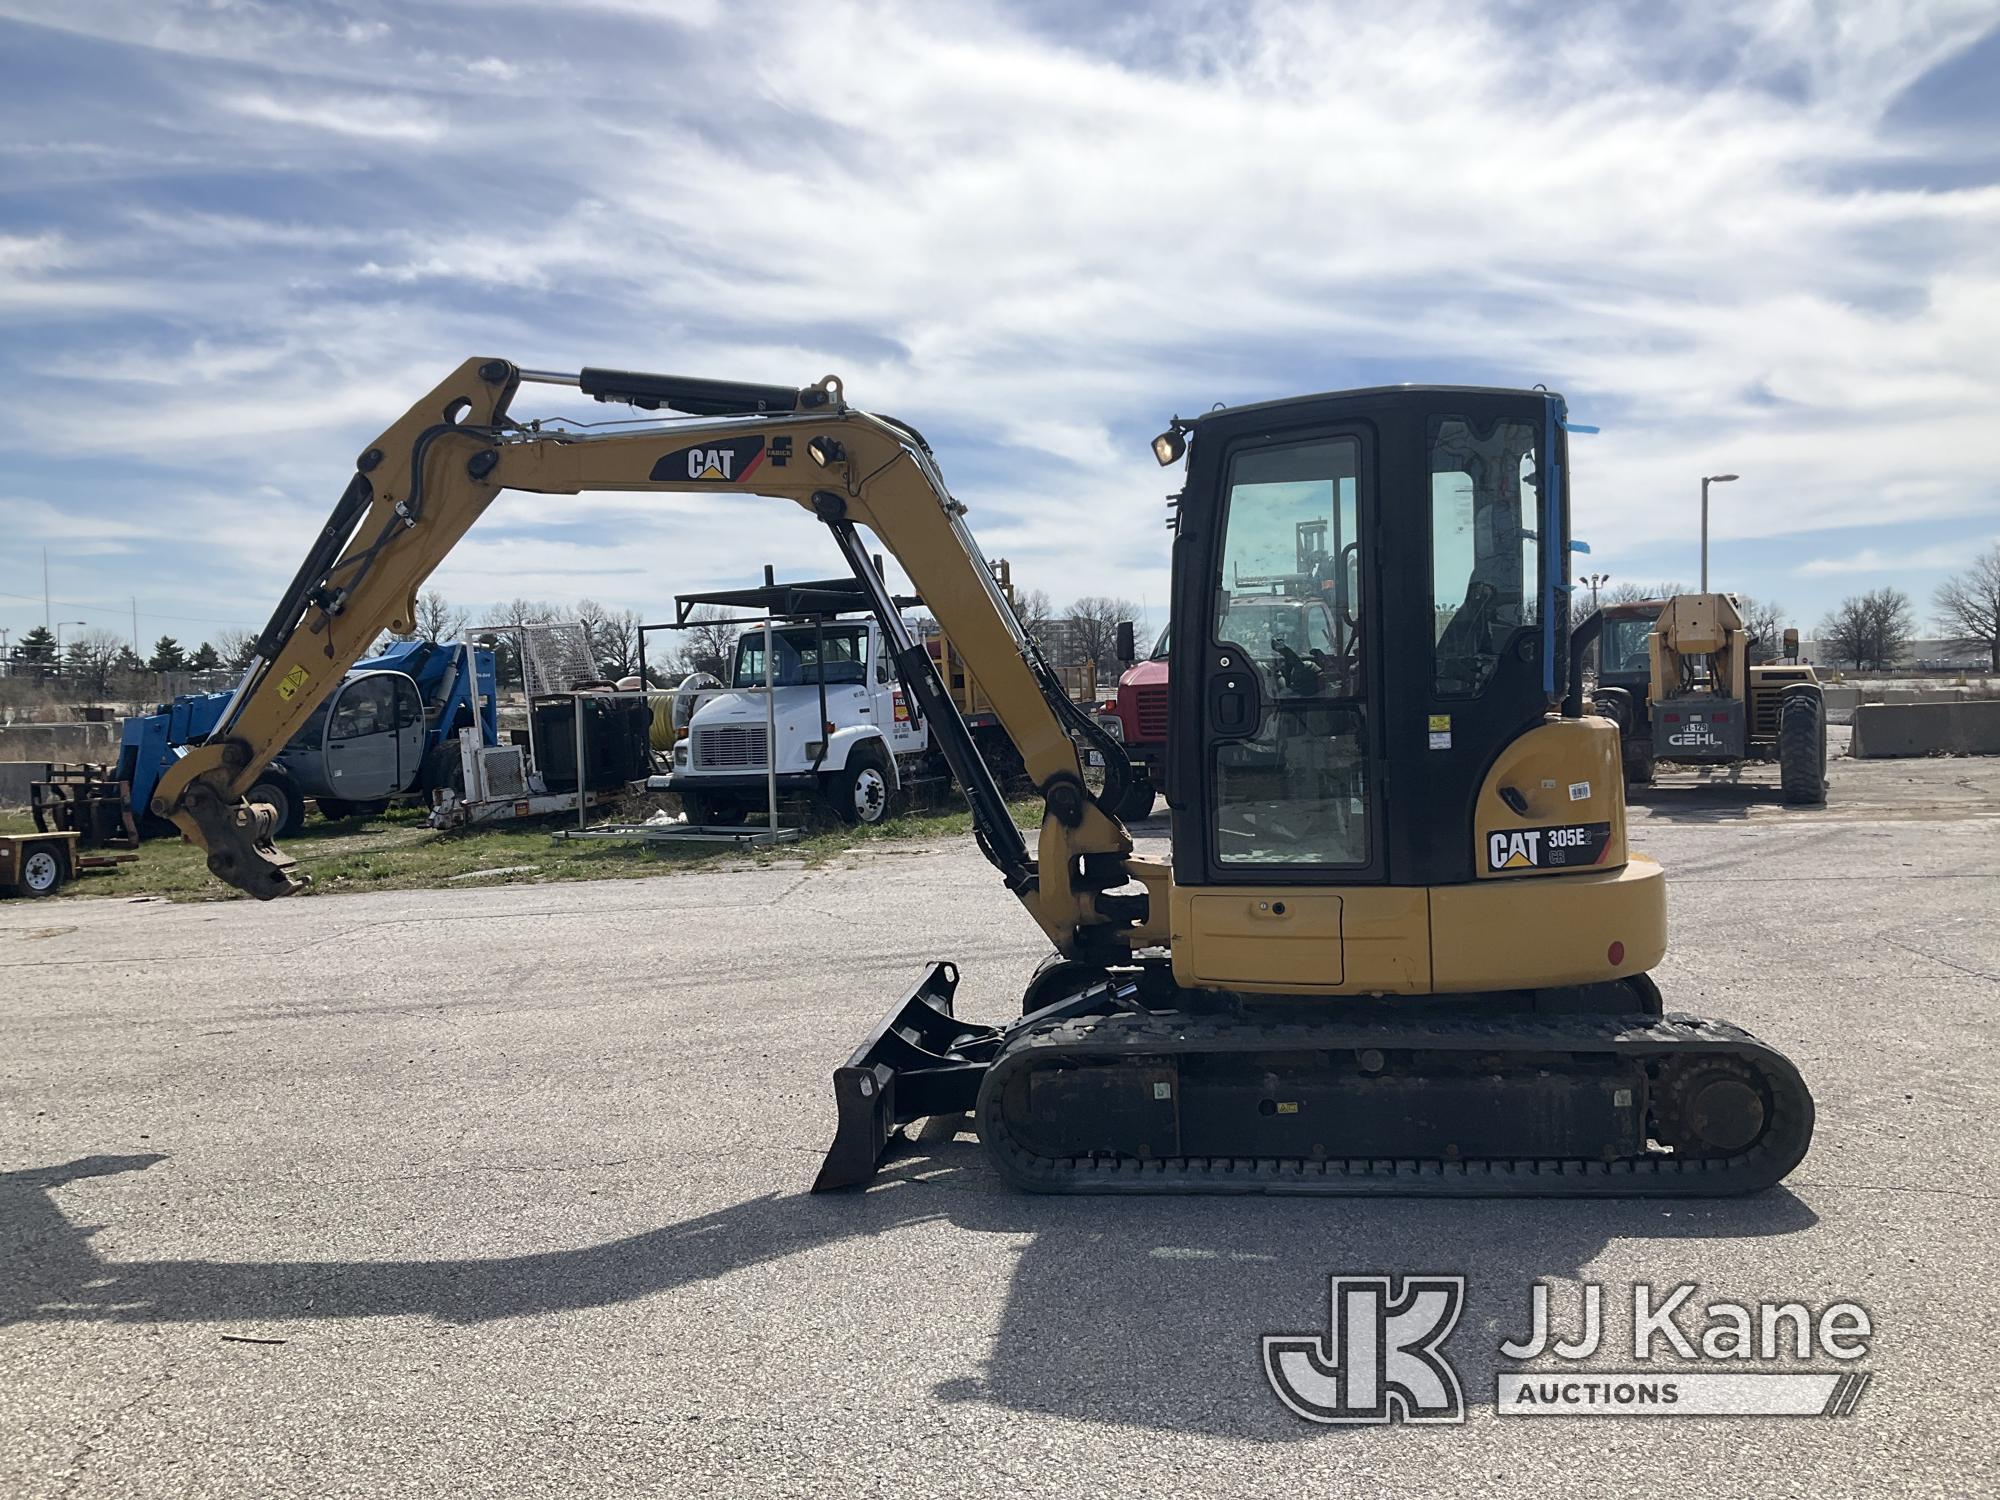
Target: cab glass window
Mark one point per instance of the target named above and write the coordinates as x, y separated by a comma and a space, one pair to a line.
1485, 545
366, 706
1295, 791
796, 656
1288, 566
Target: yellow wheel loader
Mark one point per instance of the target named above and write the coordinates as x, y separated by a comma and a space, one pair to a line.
1401, 946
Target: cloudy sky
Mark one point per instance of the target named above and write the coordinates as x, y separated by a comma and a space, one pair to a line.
237, 239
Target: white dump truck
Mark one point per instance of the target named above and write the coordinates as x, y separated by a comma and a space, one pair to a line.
843, 728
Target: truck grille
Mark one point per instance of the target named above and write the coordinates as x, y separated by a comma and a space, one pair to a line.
1152, 704
731, 747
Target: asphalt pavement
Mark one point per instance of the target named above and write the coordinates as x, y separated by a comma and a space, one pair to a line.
502, 1192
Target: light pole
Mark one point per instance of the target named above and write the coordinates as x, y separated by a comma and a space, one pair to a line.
1707, 480
1594, 582
59, 631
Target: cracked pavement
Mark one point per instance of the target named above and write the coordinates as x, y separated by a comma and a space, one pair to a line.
509, 1183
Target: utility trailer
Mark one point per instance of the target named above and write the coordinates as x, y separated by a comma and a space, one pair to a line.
40, 864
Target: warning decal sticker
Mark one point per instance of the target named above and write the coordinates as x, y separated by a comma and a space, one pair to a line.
291, 682
1560, 848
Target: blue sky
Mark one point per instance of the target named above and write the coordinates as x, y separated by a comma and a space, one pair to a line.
237, 239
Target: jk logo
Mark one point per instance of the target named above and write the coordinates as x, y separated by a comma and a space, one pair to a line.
1380, 1361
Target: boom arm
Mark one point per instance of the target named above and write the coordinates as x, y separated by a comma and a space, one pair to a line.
419, 487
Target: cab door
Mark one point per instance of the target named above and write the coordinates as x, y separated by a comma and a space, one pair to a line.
1289, 732
892, 709
362, 739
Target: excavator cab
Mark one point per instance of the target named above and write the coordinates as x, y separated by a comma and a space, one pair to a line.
1446, 506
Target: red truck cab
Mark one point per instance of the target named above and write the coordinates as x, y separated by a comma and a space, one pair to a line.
1138, 718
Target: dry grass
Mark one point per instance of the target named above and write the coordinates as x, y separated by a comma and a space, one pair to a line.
397, 852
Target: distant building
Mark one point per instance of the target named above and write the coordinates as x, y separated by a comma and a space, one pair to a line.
1920, 656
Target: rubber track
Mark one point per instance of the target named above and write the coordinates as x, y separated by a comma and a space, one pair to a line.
1139, 1039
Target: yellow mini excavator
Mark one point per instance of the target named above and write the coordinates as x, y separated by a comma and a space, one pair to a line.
1401, 946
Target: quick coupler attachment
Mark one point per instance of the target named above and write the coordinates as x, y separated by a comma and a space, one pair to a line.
919, 1061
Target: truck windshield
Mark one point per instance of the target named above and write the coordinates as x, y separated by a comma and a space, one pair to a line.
1160, 646
1625, 646
797, 657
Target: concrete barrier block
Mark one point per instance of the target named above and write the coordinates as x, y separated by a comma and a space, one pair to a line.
59, 742
1883, 730
1841, 702
15, 776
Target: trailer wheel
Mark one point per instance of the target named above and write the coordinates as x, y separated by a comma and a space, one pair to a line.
279, 792
864, 791
41, 873
1802, 750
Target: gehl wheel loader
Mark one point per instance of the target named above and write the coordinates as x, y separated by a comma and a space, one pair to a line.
1401, 946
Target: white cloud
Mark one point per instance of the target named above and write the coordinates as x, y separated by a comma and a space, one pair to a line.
367, 117
1036, 249
1877, 560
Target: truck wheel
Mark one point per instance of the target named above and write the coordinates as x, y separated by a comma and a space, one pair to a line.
41, 873
713, 812
1802, 750
1137, 802
862, 792
279, 792
333, 809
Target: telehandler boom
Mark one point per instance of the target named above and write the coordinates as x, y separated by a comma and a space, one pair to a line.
1401, 947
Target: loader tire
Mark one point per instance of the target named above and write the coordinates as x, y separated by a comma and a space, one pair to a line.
276, 790
1802, 750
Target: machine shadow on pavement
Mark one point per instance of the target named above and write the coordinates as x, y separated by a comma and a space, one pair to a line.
1139, 1311
1707, 799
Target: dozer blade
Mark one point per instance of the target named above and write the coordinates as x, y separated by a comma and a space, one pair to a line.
919, 1061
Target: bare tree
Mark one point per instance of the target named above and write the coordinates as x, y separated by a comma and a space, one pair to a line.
613, 635
1871, 630
1034, 611
709, 641
235, 647
436, 619
92, 658
1094, 621
1968, 606
1766, 621
1640, 593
